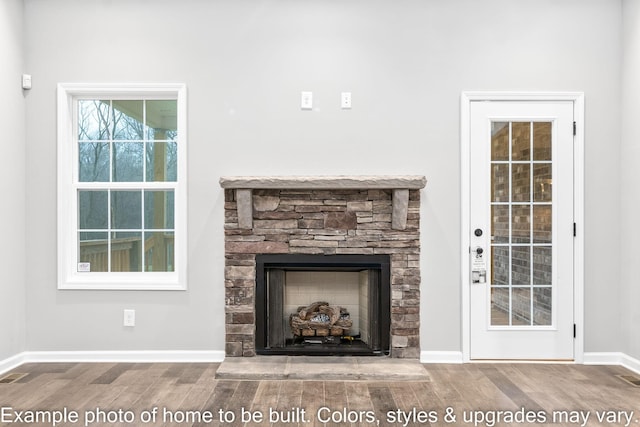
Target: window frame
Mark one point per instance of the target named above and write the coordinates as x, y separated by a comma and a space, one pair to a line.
68, 183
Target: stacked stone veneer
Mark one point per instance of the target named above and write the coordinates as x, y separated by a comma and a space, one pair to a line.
347, 221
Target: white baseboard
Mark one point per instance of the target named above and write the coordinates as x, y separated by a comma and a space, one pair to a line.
603, 358
441, 357
631, 363
612, 358
152, 356
12, 362
593, 358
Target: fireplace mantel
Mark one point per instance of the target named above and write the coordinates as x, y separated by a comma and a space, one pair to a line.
354, 182
400, 184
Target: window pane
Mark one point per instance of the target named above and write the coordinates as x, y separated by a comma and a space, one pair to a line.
158, 210
126, 251
500, 224
162, 119
521, 185
128, 119
500, 306
499, 141
499, 183
542, 306
542, 265
162, 161
93, 120
521, 306
159, 251
126, 210
542, 182
127, 161
520, 265
542, 141
500, 265
520, 223
520, 141
94, 251
542, 224
92, 209
93, 161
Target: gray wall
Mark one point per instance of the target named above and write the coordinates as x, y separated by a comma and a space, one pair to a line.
245, 62
630, 177
12, 186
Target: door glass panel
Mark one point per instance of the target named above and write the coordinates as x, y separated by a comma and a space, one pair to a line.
542, 141
500, 141
542, 182
500, 309
542, 265
521, 182
500, 224
520, 265
500, 182
520, 141
500, 265
521, 306
542, 306
521, 224
542, 224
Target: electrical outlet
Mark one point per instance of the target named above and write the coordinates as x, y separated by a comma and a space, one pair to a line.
130, 318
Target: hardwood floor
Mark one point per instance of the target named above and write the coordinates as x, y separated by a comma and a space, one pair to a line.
189, 395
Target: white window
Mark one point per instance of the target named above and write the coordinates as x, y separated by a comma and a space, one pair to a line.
121, 186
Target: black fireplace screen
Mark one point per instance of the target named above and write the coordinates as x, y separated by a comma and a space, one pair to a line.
319, 317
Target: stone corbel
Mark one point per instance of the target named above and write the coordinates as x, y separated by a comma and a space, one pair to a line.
244, 200
400, 209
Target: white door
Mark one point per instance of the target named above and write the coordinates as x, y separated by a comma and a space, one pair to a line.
521, 230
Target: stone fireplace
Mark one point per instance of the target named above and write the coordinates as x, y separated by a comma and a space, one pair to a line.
325, 218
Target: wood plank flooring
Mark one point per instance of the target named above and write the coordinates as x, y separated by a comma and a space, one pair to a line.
189, 395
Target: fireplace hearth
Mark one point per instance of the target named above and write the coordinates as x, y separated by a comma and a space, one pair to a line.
352, 242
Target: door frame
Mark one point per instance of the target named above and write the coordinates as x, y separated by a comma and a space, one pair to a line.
578, 204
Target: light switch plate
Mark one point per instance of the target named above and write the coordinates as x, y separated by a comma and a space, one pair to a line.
306, 100
26, 81
345, 100
129, 318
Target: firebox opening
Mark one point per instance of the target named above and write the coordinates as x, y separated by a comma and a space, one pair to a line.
322, 304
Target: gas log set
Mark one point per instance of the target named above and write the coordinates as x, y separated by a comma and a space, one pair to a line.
320, 319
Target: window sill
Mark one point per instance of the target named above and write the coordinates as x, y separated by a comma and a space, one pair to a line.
123, 282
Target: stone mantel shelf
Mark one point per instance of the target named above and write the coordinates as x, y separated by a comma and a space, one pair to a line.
354, 182
400, 184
